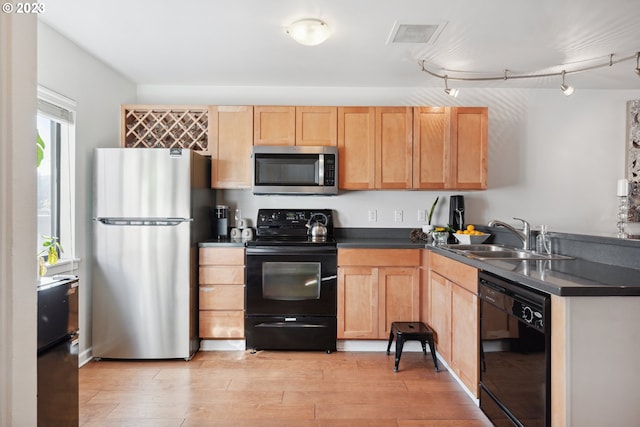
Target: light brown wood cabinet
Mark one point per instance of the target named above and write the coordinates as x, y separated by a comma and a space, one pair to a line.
469, 147
394, 152
356, 148
415, 148
274, 125
450, 148
375, 148
376, 287
221, 294
230, 144
282, 125
453, 315
431, 142
379, 147
317, 126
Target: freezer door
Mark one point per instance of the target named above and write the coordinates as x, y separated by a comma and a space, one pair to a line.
143, 302
142, 182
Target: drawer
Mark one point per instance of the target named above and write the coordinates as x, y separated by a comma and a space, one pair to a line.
379, 257
222, 297
221, 275
221, 256
457, 272
221, 324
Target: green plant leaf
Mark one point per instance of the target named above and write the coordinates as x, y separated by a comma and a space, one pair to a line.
40, 149
433, 207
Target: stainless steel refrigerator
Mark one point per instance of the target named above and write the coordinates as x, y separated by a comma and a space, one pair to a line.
151, 207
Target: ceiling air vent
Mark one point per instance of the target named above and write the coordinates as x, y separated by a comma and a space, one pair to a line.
415, 33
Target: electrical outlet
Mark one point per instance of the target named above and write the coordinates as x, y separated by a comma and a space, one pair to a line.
372, 215
397, 216
422, 215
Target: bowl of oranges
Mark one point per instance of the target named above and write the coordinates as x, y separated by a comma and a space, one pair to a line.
470, 235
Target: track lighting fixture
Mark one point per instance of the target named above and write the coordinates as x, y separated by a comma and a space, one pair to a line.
451, 92
565, 88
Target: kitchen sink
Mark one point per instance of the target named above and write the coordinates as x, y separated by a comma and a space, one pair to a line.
490, 251
477, 247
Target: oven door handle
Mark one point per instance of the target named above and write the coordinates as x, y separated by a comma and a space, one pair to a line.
324, 279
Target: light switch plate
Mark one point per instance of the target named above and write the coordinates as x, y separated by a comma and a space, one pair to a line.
372, 215
398, 215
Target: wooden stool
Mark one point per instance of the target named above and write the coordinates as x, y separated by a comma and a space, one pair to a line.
416, 331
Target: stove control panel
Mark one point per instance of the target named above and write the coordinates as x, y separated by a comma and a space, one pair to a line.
284, 222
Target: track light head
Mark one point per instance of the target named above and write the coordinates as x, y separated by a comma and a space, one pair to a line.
449, 91
637, 70
452, 92
565, 88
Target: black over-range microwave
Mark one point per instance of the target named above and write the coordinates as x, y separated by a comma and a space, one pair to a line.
295, 170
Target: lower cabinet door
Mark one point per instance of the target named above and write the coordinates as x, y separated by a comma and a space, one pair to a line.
464, 337
357, 303
440, 313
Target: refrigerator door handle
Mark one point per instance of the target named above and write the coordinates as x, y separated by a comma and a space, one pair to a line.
143, 221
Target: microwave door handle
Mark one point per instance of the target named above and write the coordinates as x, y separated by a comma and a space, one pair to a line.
321, 169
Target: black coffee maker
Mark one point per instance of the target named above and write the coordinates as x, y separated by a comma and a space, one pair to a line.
456, 212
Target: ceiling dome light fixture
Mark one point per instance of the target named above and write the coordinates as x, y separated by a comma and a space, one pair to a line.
565, 88
451, 92
309, 32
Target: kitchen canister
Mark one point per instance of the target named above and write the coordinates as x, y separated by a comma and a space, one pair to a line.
236, 233
247, 234
242, 223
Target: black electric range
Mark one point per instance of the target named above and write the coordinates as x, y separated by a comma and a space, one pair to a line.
291, 290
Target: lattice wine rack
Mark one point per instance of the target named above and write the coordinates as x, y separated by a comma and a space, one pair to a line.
165, 127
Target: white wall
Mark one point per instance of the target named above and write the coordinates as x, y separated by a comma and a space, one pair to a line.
18, 308
99, 91
553, 159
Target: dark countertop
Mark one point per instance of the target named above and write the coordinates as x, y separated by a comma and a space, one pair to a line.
573, 277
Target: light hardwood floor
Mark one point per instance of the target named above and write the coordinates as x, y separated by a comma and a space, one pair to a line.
273, 388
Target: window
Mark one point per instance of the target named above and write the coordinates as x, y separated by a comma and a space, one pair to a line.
55, 173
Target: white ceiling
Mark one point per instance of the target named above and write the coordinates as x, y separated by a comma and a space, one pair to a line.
243, 42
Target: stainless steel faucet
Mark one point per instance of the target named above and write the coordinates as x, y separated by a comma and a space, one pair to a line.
523, 235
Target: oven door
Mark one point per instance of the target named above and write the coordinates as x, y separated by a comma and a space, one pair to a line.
291, 281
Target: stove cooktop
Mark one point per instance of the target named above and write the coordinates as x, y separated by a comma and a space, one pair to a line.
289, 227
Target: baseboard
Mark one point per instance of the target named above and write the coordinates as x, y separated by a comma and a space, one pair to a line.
376, 345
223, 345
342, 345
85, 357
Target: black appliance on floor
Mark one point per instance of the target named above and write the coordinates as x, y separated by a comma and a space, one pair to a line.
515, 375
58, 351
291, 292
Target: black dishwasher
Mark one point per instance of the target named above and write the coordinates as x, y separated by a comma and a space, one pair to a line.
515, 356
58, 351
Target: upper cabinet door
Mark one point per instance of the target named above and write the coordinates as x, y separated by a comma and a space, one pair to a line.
431, 153
274, 125
394, 134
230, 143
356, 148
469, 136
316, 126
